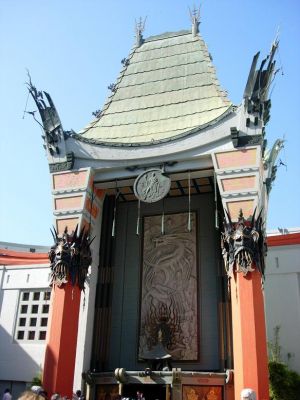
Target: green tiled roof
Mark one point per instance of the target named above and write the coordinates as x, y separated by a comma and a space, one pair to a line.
167, 89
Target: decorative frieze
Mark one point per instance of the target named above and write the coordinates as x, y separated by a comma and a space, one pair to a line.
69, 223
234, 208
70, 180
63, 166
75, 201
239, 180
236, 158
239, 183
65, 203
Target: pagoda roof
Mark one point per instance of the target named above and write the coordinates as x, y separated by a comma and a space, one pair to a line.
167, 89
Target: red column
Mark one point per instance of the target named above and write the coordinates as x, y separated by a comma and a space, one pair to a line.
60, 353
249, 335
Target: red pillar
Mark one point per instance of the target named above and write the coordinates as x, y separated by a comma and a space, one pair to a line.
58, 374
249, 335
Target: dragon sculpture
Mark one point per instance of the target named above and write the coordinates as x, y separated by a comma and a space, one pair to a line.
70, 258
243, 245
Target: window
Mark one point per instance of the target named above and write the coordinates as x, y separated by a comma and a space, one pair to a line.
31, 335
25, 296
32, 318
34, 309
47, 295
20, 335
36, 295
42, 335
45, 309
24, 309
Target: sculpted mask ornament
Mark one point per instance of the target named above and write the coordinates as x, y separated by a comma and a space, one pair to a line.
70, 258
243, 245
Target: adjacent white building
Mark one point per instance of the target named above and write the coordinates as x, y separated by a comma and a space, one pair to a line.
282, 293
24, 309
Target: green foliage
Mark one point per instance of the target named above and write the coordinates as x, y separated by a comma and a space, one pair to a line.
284, 383
37, 379
274, 346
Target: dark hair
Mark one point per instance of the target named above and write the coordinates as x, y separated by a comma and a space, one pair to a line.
7, 391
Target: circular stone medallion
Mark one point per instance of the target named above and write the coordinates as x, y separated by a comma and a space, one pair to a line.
151, 186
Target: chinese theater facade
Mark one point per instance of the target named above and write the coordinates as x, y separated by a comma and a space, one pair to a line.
159, 207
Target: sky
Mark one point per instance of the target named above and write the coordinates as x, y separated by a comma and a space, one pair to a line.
73, 50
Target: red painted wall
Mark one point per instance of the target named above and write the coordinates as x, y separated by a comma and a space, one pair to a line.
58, 373
12, 257
284, 240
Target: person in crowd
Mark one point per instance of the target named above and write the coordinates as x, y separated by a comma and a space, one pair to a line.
78, 395
7, 395
30, 395
140, 395
40, 391
55, 396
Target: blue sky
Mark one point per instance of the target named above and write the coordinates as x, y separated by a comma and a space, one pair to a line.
73, 49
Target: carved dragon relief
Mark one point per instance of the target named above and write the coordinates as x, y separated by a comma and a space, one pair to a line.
168, 316
270, 165
51, 123
70, 258
243, 245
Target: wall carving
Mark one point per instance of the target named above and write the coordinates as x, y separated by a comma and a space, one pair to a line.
107, 392
202, 392
169, 287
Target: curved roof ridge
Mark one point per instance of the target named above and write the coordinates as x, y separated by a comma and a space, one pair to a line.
221, 92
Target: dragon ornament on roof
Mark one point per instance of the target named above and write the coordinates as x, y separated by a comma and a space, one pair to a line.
54, 135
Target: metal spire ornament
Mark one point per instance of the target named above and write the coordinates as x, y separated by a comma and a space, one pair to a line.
195, 19
139, 29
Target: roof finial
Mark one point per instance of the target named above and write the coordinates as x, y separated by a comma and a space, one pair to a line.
139, 29
195, 18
